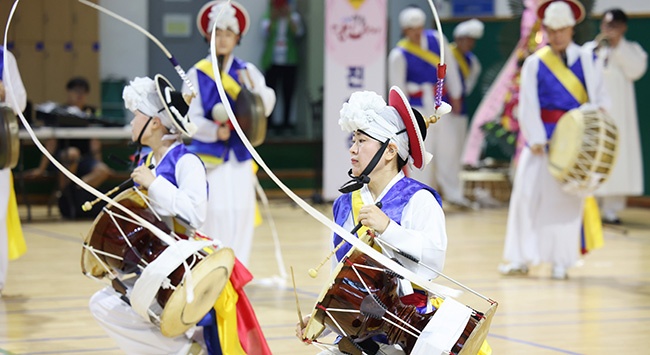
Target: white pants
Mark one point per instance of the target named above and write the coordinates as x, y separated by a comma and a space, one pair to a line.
231, 206
5, 175
445, 140
610, 206
132, 334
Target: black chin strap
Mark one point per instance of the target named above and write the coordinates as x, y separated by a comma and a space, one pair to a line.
357, 182
138, 143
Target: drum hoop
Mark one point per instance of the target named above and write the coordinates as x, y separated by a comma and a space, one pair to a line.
11, 128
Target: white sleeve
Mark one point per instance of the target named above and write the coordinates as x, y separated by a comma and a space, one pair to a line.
422, 234
530, 118
206, 128
259, 87
452, 80
474, 73
190, 199
397, 69
631, 58
15, 94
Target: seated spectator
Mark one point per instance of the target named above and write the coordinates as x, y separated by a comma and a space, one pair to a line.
82, 157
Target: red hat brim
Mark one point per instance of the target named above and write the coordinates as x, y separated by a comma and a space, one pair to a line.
203, 18
578, 10
398, 100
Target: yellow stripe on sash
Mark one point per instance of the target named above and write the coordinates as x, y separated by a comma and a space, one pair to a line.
419, 52
565, 76
593, 226
15, 239
460, 58
230, 85
357, 203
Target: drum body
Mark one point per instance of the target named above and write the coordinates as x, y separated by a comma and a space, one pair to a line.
583, 150
123, 248
9, 141
250, 116
360, 300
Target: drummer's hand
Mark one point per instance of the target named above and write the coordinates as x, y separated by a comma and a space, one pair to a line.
538, 149
300, 331
374, 218
143, 176
223, 132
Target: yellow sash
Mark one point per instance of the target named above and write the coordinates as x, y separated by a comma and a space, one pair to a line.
357, 203
419, 52
563, 74
15, 239
460, 58
226, 307
230, 85
593, 226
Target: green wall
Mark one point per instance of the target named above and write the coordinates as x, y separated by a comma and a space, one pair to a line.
499, 41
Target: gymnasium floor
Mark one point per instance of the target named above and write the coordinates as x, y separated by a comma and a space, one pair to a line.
603, 308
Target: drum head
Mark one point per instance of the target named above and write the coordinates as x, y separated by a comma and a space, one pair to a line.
9, 141
209, 278
250, 116
566, 143
89, 263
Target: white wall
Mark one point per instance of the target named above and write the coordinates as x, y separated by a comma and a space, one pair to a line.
123, 50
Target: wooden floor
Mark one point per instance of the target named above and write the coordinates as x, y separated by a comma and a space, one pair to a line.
603, 308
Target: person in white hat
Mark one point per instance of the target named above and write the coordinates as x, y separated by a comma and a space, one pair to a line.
385, 139
231, 203
413, 66
544, 221
12, 244
177, 186
624, 62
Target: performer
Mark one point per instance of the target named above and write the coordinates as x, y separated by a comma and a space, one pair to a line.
385, 138
177, 184
624, 62
413, 66
12, 244
231, 200
544, 221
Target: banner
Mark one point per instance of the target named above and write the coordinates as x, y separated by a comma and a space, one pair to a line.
355, 60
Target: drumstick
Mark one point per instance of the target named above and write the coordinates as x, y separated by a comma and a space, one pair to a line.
314, 272
88, 205
295, 292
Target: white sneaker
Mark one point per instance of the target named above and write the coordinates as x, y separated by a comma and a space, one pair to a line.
512, 269
559, 273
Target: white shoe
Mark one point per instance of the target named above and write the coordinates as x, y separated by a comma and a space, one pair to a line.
513, 269
559, 273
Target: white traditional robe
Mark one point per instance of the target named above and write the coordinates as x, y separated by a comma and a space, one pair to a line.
14, 92
231, 200
544, 221
624, 65
445, 139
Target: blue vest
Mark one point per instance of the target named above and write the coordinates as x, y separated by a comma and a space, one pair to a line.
2, 62
553, 95
209, 98
393, 204
419, 71
167, 167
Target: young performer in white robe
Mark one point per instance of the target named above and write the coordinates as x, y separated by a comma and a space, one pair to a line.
12, 94
544, 221
177, 184
624, 62
231, 208
413, 66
